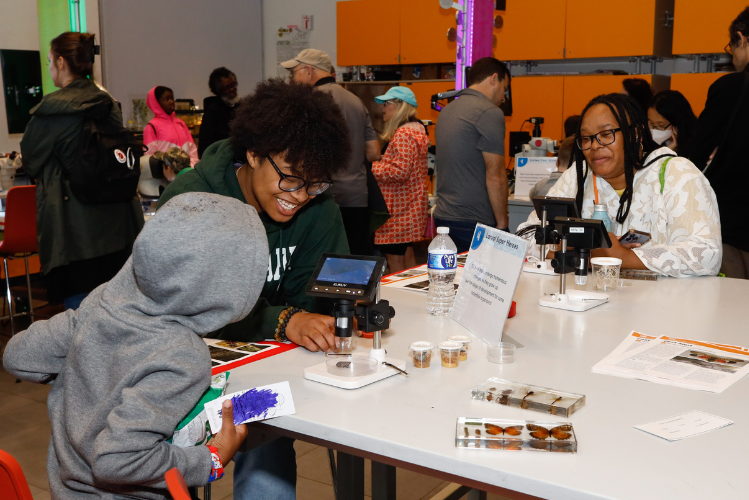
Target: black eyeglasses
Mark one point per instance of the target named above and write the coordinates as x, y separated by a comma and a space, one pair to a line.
728, 49
604, 138
659, 127
291, 183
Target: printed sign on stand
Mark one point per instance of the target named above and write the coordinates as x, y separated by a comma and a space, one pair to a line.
531, 169
490, 276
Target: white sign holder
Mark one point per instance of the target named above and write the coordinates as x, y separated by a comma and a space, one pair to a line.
490, 276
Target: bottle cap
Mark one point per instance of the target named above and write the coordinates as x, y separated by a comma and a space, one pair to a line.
600, 208
443, 230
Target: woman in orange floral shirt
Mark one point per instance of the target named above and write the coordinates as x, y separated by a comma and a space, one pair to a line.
401, 175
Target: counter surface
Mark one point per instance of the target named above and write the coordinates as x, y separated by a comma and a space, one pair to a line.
413, 419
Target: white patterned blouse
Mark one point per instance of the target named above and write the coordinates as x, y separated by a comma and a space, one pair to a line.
683, 219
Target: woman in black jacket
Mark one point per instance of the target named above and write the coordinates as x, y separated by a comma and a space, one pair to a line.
719, 149
80, 246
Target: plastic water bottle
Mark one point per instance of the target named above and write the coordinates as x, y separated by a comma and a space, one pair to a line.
600, 213
443, 260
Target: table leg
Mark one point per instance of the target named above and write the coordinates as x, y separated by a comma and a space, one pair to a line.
350, 477
383, 481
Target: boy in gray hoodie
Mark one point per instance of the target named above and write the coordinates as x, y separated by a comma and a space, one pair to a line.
130, 363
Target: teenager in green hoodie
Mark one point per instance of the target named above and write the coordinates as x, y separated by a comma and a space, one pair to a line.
287, 141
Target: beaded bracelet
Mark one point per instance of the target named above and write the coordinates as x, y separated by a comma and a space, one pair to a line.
283, 321
217, 468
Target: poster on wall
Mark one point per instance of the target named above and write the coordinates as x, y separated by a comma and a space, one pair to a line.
292, 41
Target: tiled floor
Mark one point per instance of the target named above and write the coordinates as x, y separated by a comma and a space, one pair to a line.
26, 430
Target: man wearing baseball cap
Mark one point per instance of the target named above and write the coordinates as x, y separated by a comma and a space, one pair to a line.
313, 67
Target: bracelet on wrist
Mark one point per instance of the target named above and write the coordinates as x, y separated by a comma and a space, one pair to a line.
283, 322
217, 468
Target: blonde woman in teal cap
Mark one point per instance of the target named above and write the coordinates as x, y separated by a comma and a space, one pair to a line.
401, 175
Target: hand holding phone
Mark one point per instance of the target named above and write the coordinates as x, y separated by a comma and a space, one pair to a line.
633, 236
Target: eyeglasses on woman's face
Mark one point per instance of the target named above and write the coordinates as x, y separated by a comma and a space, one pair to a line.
655, 126
291, 183
604, 138
394, 102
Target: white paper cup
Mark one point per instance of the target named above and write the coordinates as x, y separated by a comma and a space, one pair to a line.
605, 273
421, 352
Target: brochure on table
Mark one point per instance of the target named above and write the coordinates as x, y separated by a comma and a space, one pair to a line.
530, 170
230, 354
488, 284
690, 364
684, 426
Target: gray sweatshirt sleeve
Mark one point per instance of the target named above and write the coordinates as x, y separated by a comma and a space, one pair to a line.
132, 447
38, 354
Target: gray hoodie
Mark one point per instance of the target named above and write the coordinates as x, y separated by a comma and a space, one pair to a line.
130, 363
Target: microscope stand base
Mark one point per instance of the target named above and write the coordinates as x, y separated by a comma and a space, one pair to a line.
319, 373
539, 268
574, 300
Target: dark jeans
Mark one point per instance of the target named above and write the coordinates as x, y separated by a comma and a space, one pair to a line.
461, 232
356, 224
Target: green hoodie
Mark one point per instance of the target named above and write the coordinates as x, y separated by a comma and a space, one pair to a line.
295, 246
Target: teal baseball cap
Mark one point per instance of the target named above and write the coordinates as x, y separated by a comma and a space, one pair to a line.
402, 93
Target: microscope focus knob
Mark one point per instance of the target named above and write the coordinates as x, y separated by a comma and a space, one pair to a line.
554, 263
377, 318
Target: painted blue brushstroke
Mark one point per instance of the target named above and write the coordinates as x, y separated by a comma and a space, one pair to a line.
253, 404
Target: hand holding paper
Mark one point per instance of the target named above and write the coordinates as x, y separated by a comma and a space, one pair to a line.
251, 405
230, 438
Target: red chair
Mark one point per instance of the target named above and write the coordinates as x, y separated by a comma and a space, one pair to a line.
13, 483
19, 241
177, 487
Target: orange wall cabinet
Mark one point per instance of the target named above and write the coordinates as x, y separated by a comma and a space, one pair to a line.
364, 37
694, 86
702, 27
531, 30
536, 96
423, 32
424, 92
620, 29
579, 90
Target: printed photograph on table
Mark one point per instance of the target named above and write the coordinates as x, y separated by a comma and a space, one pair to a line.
515, 435
254, 347
710, 361
225, 355
231, 344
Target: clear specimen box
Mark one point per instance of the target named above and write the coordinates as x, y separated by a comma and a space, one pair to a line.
515, 435
528, 397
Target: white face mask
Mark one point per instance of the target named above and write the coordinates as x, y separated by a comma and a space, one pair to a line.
660, 136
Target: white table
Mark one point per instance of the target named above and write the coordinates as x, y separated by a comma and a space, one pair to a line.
410, 422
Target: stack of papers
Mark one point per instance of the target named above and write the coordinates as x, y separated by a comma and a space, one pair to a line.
692, 364
684, 426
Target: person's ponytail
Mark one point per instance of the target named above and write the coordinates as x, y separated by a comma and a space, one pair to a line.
78, 50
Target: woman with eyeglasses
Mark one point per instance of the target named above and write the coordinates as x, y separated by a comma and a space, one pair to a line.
287, 141
644, 187
719, 149
671, 121
401, 174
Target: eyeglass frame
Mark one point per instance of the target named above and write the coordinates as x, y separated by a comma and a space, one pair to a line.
656, 127
598, 139
295, 70
392, 101
304, 182
728, 49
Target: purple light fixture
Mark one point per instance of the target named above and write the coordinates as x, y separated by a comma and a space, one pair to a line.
474, 35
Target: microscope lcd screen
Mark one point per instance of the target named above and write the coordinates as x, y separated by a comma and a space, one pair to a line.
357, 272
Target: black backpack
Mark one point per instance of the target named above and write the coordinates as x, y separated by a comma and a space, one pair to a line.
107, 165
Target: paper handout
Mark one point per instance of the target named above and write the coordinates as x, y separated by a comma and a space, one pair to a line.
251, 405
683, 426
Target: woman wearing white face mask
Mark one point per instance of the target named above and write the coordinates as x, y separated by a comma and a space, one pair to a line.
672, 121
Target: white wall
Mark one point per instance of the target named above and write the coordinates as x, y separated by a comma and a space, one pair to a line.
19, 31
177, 43
282, 13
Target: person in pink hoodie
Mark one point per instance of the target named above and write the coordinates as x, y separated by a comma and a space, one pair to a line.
165, 130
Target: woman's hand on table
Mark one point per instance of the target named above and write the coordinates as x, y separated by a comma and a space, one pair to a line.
630, 260
315, 332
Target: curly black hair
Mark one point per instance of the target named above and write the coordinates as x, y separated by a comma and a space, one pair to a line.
294, 119
638, 144
214, 80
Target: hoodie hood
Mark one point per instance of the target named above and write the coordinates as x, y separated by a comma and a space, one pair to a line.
154, 105
199, 263
80, 96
